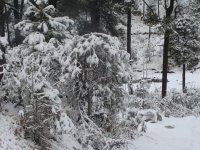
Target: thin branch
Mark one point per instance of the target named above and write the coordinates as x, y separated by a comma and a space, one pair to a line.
150, 8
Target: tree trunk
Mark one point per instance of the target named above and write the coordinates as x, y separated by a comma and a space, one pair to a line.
143, 10
2, 20
169, 11
183, 85
16, 11
158, 8
165, 64
21, 9
129, 31
2, 34
95, 15
17, 17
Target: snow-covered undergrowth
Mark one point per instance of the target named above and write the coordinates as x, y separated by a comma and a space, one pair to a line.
176, 104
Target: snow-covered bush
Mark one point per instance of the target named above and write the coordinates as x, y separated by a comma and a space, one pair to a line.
176, 104
93, 79
99, 68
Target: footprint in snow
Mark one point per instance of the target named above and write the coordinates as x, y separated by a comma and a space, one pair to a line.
169, 127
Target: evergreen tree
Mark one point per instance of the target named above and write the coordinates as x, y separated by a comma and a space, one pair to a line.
98, 68
185, 40
33, 68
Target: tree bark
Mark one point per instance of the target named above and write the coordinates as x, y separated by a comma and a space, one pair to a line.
2, 34
165, 64
16, 11
143, 10
169, 11
158, 8
95, 15
21, 9
2, 20
129, 31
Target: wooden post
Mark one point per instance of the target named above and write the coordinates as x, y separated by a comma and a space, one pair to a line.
183, 75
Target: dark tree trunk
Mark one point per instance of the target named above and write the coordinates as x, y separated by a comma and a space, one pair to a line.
16, 11
183, 86
21, 9
53, 2
17, 17
158, 8
165, 64
95, 15
143, 10
169, 11
2, 20
2, 34
129, 31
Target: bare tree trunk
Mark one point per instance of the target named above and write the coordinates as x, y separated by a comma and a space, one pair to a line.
129, 31
21, 9
95, 15
165, 64
16, 11
158, 8
143, 11
169, 11
183, 75
7, 15
2, 20
2, 34
17, 17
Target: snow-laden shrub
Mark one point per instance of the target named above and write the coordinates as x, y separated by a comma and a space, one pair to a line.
99, 68
92, 80
176, 104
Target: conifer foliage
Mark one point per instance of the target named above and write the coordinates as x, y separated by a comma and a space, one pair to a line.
30, 74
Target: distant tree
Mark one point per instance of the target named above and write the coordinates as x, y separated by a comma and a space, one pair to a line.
91, 15
185, 40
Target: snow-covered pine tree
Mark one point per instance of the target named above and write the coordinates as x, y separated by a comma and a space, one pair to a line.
34, 67
98, 67
184, 43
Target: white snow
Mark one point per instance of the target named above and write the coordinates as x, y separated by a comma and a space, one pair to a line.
170, 134
8, 141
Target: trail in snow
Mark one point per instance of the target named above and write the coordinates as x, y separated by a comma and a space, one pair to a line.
170, 134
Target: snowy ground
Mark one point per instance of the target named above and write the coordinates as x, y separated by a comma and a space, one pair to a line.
170, 134
8, 140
